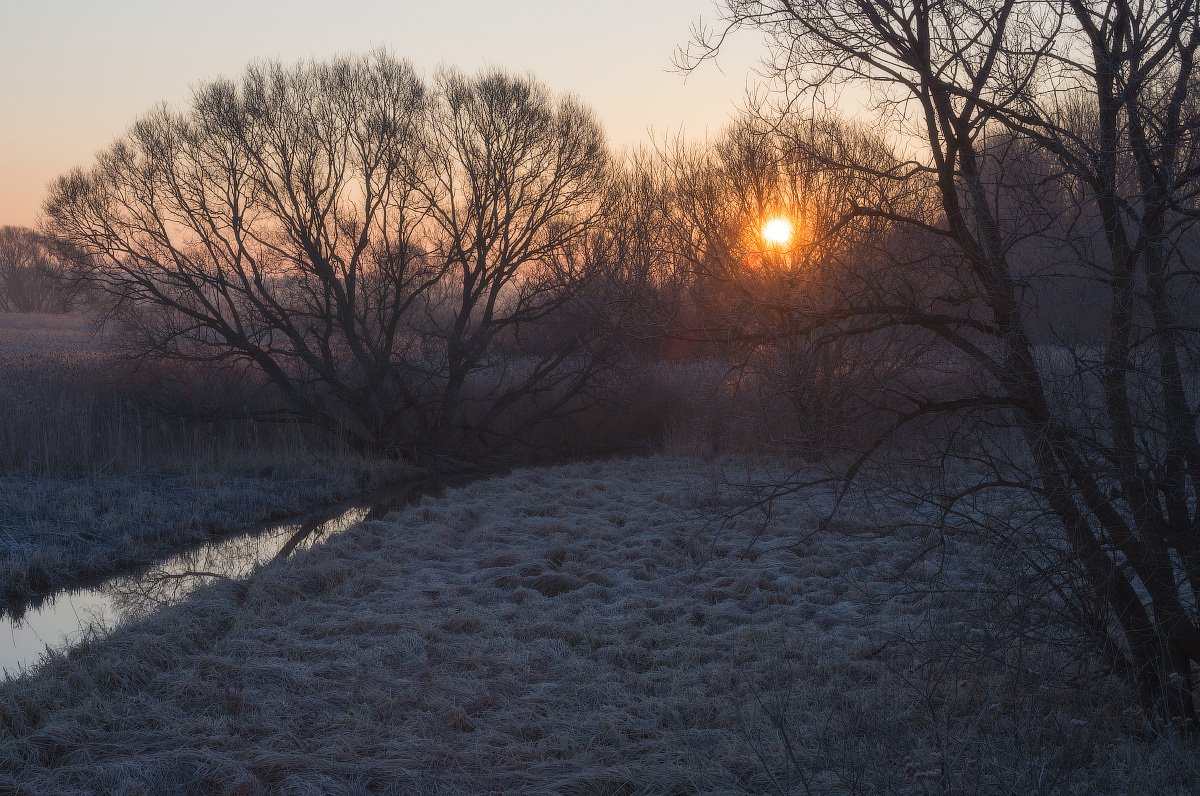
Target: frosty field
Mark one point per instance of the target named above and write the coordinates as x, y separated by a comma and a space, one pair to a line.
599, 628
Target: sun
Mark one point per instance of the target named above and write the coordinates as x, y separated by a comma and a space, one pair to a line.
777, 232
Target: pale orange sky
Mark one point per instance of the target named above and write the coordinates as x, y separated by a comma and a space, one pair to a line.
74, 74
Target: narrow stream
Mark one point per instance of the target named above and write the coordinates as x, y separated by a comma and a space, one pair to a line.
63, 619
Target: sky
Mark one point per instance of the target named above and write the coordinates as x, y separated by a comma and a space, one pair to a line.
75, 74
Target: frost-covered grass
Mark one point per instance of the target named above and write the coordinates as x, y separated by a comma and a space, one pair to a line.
587, 629
59, 532
24, 333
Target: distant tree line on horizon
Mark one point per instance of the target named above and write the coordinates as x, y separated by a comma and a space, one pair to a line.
33, 277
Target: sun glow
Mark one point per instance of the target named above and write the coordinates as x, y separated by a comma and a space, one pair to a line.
777, 232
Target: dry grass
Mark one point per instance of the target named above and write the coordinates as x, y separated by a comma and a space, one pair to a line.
587, 629
74, 405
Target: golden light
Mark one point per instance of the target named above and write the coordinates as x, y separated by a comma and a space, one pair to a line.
777, 232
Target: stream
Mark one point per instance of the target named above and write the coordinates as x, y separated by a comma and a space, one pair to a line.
61, 620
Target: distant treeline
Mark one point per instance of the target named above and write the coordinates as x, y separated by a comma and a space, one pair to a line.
32, 274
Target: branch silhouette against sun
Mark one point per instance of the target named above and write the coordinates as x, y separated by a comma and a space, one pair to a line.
1036, 121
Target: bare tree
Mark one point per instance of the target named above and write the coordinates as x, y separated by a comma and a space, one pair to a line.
32, 276
1102, 95
513, 182
357, 237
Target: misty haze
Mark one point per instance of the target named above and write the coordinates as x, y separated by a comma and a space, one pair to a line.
757, 397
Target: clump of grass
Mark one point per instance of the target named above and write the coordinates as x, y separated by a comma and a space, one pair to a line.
74, 408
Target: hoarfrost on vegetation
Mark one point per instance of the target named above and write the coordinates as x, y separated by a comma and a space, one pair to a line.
57, 532
591, 628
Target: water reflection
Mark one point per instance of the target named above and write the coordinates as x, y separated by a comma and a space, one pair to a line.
174, 579
64, 619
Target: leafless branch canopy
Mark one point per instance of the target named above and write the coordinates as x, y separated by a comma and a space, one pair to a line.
1059, 141
363, 239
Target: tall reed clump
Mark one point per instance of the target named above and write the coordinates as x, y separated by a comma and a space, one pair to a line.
76, 415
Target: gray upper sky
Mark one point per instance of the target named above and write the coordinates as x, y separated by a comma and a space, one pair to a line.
74, 74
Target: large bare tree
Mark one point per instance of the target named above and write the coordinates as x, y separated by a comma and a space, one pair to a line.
1061, 139
355, 235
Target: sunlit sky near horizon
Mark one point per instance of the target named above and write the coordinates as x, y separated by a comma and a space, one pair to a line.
74, 74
